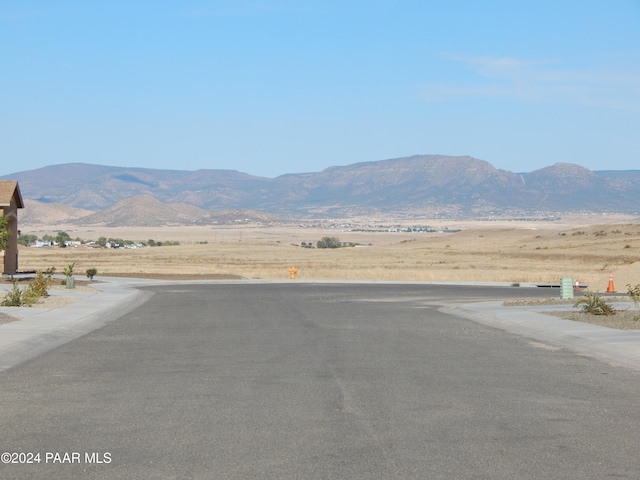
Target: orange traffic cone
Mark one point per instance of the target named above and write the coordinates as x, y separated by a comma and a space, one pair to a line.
577, 287
610, 288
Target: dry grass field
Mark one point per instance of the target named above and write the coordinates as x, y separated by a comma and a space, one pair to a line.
583, 248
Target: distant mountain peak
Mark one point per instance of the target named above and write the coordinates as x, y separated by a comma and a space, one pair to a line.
564, 169
419, 183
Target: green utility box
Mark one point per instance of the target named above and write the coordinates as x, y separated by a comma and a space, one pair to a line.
566, 288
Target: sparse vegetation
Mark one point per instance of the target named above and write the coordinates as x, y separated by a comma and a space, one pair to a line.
13, 298
37, 289
594, 304
634, 293
62, 237
26, 239
68, 272
329, 242
622, 320
166, 243
91, 272
265, 252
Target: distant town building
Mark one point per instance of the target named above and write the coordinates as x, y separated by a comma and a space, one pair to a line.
42, 243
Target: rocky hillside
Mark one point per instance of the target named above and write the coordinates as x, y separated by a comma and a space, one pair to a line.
145, 211
426, 183
40, 213
141, 211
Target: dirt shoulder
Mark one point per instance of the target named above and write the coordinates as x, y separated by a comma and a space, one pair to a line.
176, 276
622, 320
23, 281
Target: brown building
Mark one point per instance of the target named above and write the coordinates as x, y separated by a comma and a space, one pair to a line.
10, 202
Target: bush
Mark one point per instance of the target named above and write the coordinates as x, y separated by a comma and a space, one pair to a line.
35, 291
594, 304
91, 272
39, 288
68, 270
62, 237
13, 297
634, 293
26, 239
329, 242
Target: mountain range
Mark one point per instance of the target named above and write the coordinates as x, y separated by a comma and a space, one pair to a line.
427, 184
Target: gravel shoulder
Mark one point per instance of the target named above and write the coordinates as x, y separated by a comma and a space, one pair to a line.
622, 320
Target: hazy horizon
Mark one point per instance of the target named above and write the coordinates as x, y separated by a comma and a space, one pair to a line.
135, 167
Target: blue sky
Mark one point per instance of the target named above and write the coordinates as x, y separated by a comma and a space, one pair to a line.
281, 86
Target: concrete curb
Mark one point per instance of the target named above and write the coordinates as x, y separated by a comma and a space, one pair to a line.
607, 344
44, 330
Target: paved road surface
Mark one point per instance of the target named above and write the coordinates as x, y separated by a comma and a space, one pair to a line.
293, 381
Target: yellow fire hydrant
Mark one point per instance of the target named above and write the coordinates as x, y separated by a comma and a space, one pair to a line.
292, 273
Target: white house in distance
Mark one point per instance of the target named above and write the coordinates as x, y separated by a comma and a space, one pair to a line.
10, 202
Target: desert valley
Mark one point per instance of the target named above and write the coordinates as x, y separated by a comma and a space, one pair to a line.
428, 218
585, 248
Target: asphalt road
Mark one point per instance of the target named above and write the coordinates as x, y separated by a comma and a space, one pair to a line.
317, 381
